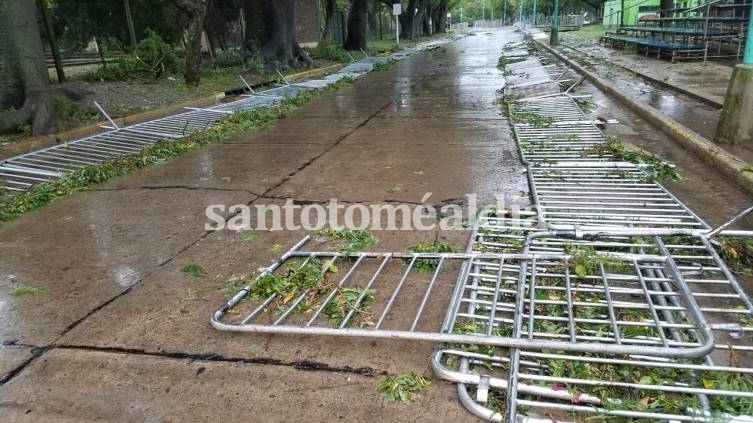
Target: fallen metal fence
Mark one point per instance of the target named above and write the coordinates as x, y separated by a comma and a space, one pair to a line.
609, 301
593, 194
19, 173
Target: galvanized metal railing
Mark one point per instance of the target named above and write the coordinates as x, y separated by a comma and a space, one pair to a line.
614, 209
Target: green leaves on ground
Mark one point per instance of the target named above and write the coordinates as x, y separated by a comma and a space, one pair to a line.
402, 387
21, 291
586, 261
737, 253
427, 265
308, 278
347, 299
194, 270
656, 168
348, 240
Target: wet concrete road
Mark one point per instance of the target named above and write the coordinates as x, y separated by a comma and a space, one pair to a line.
119, 332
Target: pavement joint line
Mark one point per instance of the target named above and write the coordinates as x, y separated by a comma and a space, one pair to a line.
35, 353
326, 150
304, 365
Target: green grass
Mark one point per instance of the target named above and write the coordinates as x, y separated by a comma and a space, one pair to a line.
21, 291
46, 192
194, 270
402, 387
347, 240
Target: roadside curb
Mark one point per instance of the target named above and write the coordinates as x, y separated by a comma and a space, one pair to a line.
694, 95
31, 144
16, 148
730, 165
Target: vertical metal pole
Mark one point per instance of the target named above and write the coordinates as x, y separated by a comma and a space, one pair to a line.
554, 35
129, 18
397, 30
748, 56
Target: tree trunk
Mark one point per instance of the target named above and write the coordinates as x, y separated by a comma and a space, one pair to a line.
441, 24
427, 22
192, 67
420, 16
195, 11
24, 82
407, 29
271, 26
358, 27
329, 14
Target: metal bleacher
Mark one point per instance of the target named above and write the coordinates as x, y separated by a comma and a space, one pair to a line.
712, 30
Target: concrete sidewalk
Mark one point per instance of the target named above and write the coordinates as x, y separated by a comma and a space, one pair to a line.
707, 80
119, 333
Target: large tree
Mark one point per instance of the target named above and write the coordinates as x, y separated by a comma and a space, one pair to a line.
440, 19
195, 10
358, 25
24, 82
270, 27
329, 15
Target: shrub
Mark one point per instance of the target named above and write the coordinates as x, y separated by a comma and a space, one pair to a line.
247, 59
152, 58
325, 50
